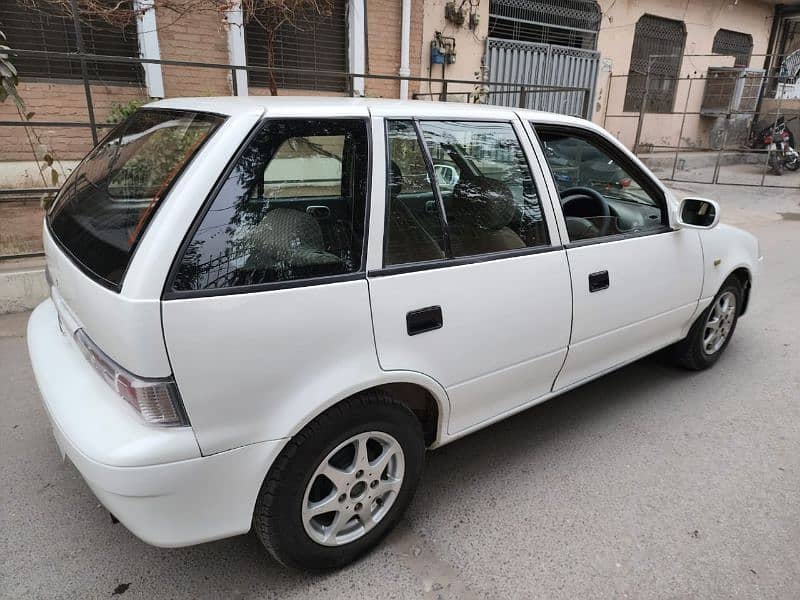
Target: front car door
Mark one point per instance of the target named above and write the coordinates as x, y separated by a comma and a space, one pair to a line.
636, 281
470, 284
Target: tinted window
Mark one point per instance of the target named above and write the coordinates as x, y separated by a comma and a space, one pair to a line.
292, 207
413, 222
487, 188
599, 195
106, 203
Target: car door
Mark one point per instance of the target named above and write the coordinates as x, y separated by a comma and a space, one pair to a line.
266, 313
472, 286
636, 281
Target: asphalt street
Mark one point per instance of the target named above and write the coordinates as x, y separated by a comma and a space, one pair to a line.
651, 482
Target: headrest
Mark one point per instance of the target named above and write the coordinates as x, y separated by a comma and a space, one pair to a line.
283, 229
483, 202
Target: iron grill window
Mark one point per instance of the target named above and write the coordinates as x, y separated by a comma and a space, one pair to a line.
734, 43
317, 42
47, 28
658, 48
572, 23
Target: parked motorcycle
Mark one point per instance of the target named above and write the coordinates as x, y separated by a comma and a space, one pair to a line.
779, 143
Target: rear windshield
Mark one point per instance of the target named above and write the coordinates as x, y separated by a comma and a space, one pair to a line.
106, 203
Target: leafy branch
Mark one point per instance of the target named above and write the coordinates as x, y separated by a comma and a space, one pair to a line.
44, 156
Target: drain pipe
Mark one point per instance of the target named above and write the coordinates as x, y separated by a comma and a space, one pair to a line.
405, 39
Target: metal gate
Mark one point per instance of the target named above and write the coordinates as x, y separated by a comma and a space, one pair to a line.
530, 63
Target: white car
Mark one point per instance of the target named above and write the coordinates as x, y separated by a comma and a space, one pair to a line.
288, 308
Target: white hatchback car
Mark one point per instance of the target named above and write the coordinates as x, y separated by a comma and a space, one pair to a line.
264, 311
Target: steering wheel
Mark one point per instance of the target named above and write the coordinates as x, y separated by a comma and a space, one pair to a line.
581, 204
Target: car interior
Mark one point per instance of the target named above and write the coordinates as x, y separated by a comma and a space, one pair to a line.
484, 214
598, 196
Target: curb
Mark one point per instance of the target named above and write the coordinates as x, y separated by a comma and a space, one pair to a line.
22, 286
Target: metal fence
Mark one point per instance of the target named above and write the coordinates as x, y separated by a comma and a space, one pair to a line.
710, 135
20, 203
543, 65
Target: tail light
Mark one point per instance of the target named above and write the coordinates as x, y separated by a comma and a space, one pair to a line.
767, 139
156, 400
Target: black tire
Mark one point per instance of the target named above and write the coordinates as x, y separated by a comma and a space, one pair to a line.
277, 519
689, 352
793, 163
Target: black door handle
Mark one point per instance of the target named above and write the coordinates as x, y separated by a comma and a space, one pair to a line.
424, 319
599, 281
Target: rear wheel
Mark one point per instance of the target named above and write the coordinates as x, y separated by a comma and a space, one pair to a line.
341, 484
712, 331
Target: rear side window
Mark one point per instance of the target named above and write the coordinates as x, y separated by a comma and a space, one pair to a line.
292, 208
484, 201
106, 203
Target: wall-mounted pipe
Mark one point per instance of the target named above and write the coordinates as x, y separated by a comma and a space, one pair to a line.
405, 46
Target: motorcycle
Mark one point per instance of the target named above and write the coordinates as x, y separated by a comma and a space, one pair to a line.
778, 141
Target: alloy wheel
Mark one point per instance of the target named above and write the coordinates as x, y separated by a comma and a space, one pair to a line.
719, 323
353, 488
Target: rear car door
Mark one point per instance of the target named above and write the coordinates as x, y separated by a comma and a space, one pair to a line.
473, 286
267, 300
636, 281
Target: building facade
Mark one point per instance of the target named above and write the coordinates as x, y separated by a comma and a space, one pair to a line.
603, 47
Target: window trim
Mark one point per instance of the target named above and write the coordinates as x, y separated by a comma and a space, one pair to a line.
441, 263
168, 293
638, 175
452, 261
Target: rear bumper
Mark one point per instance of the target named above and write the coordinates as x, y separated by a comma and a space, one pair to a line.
153, 479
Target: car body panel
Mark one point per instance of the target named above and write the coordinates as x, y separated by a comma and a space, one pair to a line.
253, 366
655, 283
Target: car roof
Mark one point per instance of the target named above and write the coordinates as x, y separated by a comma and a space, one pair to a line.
329, 106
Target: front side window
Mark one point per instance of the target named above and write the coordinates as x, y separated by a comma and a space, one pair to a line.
600, 194
106, 203
483, 183
292, 207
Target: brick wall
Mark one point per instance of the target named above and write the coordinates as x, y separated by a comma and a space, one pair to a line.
60, 102
384, 18
199, 37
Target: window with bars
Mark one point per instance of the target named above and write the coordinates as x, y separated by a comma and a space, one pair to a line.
655, 64
734, 43
572, 23
47, 28
314, 41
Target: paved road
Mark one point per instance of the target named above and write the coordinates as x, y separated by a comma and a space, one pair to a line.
649, 483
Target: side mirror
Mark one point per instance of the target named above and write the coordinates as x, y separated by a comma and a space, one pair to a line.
698, 213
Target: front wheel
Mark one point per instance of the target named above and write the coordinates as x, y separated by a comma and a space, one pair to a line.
713, 329
341, 484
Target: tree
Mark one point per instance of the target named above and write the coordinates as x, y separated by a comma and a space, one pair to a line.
269, 14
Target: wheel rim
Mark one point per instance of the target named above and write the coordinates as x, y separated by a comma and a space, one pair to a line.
719, 323
353, 488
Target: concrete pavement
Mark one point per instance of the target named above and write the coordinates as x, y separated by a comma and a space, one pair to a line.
651, 482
